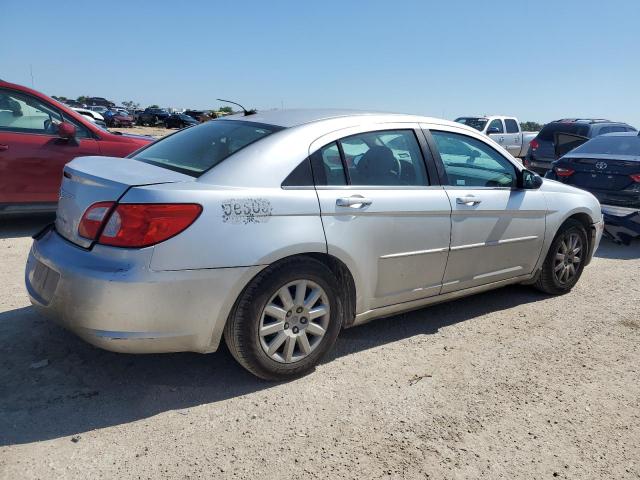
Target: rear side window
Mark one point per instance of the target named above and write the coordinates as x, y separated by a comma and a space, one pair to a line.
381, 158
512, 125
195, 150
327, 166
550, 129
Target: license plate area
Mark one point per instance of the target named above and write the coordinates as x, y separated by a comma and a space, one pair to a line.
44, 281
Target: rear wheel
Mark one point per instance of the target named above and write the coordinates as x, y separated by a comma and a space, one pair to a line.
286, 320
563, 266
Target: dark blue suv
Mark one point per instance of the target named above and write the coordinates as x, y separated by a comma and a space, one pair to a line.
542, 148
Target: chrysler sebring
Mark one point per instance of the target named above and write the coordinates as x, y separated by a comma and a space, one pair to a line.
276, 230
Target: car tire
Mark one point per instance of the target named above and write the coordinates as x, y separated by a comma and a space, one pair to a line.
252, 334
565, 260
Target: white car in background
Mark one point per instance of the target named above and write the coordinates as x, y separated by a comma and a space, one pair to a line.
505, 131
95, 117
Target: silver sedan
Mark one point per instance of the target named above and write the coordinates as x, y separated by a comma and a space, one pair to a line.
278, 229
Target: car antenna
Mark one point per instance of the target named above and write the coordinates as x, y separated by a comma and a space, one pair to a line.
246, 112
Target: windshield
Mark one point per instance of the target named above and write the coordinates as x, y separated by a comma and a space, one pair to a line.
550, 129
611, 145
474, 122
195, 150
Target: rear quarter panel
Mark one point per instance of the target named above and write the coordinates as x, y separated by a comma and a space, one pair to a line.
237, 227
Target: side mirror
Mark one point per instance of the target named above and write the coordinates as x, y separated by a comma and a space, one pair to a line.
493, 130
66, 130
530, 180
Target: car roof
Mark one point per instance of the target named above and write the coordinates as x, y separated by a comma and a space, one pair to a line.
585, 120
297, 117
620, 134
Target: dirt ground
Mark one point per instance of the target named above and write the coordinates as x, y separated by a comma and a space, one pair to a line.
508, 384
156, 132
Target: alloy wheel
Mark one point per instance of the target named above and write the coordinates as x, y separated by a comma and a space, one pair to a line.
568, 258
294, 321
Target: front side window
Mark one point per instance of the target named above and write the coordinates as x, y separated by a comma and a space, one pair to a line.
26, 114
193, 151
512, 125
496, 124
468, 162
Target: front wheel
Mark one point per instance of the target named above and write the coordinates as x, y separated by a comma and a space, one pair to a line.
286, 320
565, 260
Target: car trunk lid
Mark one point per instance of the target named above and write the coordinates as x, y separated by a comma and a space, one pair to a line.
88, 180
601, 172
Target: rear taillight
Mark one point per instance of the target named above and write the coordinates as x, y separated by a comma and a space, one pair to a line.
534, 144
142, 224
93, 218
635, 177
563, 172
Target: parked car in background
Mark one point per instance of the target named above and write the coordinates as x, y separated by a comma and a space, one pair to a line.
38, 136
98, 108
136, 115
95, 117
152, 116
199, 115
504, 130
542, 148
179, 120
119, 118
608, 166
275, 230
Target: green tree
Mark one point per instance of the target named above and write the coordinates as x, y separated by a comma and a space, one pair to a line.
225, 109
153, 106
82, 98
131, 105
531, 126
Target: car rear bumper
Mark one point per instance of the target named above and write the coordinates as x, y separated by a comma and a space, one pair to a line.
111, 298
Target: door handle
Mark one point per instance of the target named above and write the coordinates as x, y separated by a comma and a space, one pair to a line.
354, 201
3, 147
468, 200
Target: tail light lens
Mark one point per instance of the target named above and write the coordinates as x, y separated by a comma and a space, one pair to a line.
93, 218
143, 224
563, 172
534, 144
635, 177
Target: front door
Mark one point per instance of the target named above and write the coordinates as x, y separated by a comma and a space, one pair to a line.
497, 229
381, 215
32, 155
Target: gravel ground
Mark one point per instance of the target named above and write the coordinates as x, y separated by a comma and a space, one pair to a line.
508, 384
156, 132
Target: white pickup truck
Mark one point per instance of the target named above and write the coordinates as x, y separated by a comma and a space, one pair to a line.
504, 130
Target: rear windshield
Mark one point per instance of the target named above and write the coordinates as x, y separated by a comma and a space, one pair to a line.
195, 150
550, 128
611, 145
474, 122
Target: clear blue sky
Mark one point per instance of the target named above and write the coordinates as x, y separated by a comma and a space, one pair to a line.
538, 60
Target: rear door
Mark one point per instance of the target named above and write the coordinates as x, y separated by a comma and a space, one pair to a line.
32, 155
497, 229
381, 213
512, 137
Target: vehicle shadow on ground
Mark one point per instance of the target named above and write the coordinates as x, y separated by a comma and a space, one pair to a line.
84, 388
609, 249
24, 227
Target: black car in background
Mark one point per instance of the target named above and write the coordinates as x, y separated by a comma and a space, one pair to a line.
608, 166
152, 116
542, 148
179, 120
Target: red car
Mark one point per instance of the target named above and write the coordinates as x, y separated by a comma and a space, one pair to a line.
119, 119
38, 136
